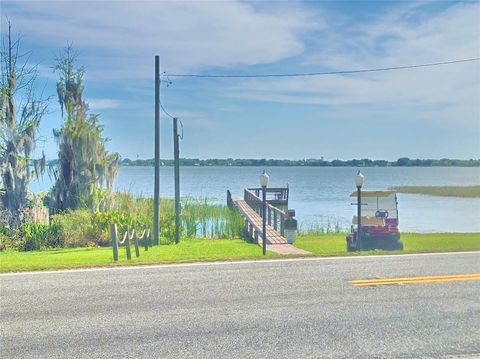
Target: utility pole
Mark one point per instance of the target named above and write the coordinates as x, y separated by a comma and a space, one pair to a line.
176, 154
156, 190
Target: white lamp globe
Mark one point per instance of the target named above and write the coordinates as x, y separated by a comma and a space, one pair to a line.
359, 179
264, 179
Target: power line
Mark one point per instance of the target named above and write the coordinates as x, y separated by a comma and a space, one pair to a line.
165, 111
172, 117
328, 72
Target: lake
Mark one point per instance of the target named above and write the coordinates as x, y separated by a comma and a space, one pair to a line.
320, 195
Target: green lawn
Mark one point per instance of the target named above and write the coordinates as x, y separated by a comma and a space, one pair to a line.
216, 249
444, 191
186, 251
324, 244
334, 244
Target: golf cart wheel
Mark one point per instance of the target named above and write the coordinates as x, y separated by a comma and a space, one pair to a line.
394, 236
399, 246
367, 244
350, 248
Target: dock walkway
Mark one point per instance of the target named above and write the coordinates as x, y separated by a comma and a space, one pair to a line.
251, 207
273, 237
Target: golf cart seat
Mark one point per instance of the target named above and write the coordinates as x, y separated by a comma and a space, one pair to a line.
369, 221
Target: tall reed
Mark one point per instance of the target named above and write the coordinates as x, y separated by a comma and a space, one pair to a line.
200, 218
324, 225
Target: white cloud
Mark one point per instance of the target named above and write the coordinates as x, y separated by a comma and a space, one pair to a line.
188, 35
448, 94
96, 104
192, 119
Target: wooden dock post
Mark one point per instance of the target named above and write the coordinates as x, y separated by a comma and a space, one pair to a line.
229, 199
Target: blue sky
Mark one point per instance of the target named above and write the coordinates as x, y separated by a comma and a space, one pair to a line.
426, 113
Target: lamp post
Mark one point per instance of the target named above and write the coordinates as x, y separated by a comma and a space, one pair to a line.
359, 183
264, 183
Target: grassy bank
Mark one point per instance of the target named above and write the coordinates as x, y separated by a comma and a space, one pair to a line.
444, 191
186, 251
334, 244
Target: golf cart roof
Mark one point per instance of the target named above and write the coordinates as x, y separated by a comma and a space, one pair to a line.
373, 193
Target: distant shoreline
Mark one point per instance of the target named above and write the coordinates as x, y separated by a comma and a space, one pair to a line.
229, 162
442, 191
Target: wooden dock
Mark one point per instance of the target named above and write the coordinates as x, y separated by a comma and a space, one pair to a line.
251, 207
253, 224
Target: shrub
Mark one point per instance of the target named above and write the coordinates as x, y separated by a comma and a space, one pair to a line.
34, 236
75, 228
5, 241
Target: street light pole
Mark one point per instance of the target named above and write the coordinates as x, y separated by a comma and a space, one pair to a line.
359, 216
264, 183
264, 214
359, 183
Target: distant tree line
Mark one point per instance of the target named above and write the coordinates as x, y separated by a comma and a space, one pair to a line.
401, 162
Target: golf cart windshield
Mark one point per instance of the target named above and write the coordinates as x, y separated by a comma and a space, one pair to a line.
379, 204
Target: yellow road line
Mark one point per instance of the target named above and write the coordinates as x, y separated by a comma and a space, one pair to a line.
421, 279
416, 278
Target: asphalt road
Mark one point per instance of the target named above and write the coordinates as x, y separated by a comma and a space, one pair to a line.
268, 309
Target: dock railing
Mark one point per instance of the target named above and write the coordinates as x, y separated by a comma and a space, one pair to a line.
275, 216
275, 196
229, 199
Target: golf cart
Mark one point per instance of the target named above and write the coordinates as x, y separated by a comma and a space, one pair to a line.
378, 223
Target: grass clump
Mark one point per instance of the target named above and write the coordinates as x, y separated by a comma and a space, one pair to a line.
444, 191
